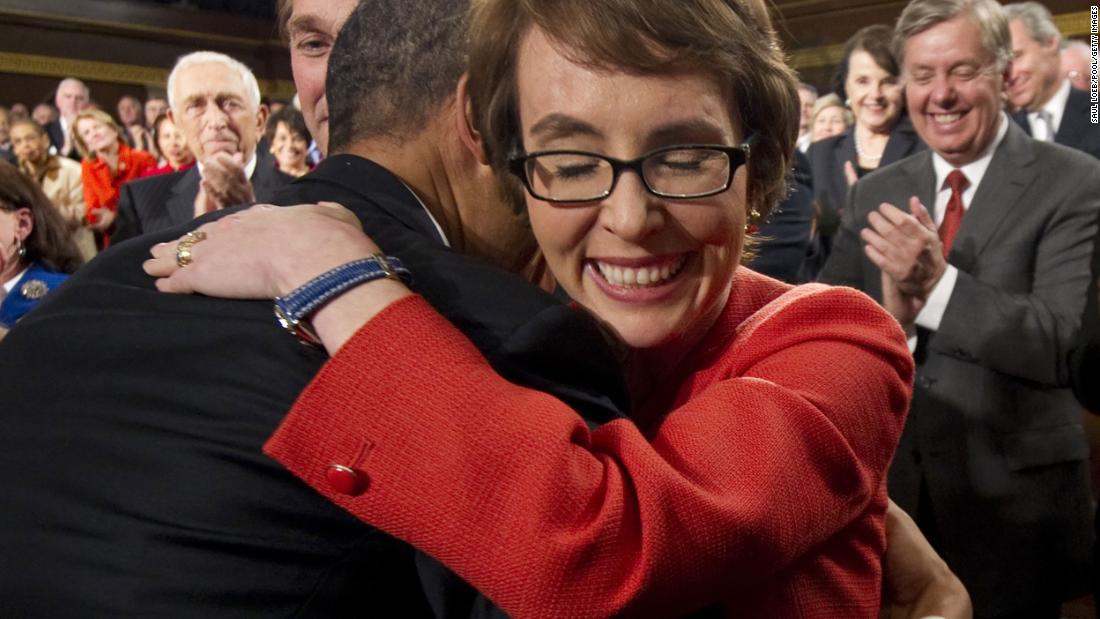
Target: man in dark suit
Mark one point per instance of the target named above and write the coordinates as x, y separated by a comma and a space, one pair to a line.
993, 460
216, 104
71, 97
133, 421
1048, 107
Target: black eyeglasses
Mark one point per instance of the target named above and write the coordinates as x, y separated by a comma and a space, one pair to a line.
681, 172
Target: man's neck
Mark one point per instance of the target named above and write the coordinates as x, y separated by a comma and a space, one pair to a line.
419, 164
1050, 88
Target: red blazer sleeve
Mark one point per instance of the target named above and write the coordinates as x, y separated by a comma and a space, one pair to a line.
92, 190
508, 487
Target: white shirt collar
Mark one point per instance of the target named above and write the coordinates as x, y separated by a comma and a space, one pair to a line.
438, 228
249, 169
1056, 106
8, 285
974, 171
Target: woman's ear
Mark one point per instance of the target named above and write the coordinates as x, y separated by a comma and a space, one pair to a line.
464, 117
24, 223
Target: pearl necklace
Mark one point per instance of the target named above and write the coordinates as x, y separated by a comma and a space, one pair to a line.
862, 153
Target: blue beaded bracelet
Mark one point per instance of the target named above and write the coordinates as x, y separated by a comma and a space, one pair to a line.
292, 310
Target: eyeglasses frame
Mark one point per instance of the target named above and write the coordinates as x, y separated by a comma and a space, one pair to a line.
737, 156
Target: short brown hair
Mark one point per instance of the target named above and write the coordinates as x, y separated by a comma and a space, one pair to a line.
102, 117
731, 39
877, 42
283, 9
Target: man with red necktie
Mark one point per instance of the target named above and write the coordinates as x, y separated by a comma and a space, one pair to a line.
980, 248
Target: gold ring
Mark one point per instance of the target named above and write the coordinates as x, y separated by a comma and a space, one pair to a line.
183, 248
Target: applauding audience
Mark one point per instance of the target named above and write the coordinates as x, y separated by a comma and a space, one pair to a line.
59, 177
172, 147
108, 164
36, 251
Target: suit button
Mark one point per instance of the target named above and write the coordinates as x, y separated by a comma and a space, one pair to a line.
345, 480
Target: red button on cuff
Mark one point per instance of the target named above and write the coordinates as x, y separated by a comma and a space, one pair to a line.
345, 480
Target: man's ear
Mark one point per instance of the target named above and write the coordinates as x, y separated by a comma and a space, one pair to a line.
464, 122
172, 116
261, 117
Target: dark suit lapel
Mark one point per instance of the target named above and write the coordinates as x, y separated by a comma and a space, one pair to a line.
1074, 128
266, 178
902, 143
1009, 174
1021, 119
922, 175
845, 152
181, 203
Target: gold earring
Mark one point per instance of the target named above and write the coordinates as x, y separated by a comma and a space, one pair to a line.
751, 224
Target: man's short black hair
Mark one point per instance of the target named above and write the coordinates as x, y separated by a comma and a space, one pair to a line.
392, 65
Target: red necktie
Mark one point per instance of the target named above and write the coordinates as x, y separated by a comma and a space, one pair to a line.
953, 216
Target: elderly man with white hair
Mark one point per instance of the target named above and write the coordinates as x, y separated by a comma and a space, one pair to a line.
1077, 63
215, 101
1049, 108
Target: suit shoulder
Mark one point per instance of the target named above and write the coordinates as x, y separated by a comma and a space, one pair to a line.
170, 178
152, 184
1066, 160
68, 166
824, 148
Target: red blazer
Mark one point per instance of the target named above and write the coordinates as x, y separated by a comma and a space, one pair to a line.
756, 478
101, 187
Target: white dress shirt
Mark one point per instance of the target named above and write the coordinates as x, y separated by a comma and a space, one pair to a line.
932, 313
1056, 108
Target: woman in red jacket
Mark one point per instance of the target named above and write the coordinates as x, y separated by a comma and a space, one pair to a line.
108, 163
754, 472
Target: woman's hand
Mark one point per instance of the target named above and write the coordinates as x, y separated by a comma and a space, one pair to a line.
101, 219
916, 581
262, 252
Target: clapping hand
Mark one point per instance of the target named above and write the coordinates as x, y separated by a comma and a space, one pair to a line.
906, 248
224, 183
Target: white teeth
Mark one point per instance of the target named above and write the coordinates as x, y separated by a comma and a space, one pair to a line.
944, 119
639, 277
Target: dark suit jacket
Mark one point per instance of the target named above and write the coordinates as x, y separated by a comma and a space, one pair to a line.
827, 159
1085, 359
994, 435
168, 200
1076, 129
784, 240
132, 425
57, 140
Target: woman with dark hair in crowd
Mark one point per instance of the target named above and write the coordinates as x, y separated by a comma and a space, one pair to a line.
172, 146
36, 250
289, 138
59, 178
649, 136
108, 163
867, 79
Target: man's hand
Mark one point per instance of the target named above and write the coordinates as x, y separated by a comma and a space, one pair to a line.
916, 581
850, 173
906, 247
224, 183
